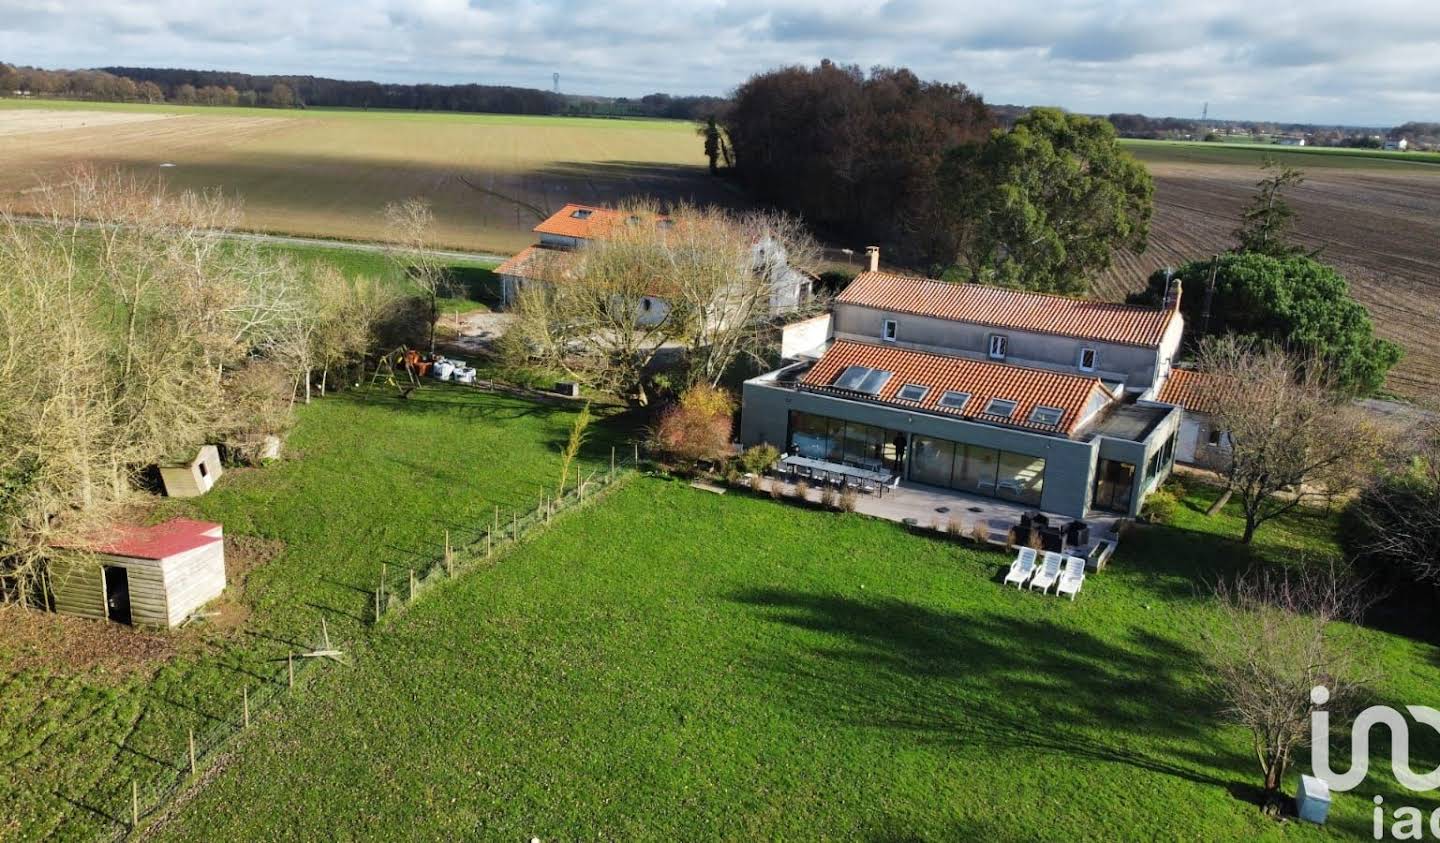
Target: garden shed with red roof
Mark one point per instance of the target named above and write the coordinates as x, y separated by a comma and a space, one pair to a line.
145, 576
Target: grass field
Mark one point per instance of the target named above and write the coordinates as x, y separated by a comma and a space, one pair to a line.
329, 173
374, 480
676, 665
1375, 215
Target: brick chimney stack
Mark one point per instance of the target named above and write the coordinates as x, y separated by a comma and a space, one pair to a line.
873, 252
1172, 294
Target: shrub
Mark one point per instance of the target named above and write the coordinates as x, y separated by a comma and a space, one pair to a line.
1160, 507
848, 500
828, 498
732, 475
955, 527
759, 459
802, 490
777, 488
696, 429
757, 484
979, 532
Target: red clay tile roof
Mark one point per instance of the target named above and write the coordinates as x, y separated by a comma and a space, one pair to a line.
574, 221
999, 307
1028, 388
1196, 391
177, 535
518, 263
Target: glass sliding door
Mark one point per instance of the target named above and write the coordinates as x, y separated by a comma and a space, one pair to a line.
1021, 478
1114, 484
978, 472
931, 460
863, 443
809, 435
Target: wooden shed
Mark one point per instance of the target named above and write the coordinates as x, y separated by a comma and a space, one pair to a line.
147, 576
194, 478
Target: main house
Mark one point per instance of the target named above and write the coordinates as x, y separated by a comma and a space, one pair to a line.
575, 226
1047, 401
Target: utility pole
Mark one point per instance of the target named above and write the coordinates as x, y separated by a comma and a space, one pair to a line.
1209, 295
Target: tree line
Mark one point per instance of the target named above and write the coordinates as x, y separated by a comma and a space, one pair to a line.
218, 87
132, 331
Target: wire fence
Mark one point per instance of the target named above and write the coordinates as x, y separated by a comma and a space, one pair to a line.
398, 586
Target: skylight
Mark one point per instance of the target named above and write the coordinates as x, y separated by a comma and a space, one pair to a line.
953, 400
862, 379
1000, 407
912, 392
581, 213
1048, 416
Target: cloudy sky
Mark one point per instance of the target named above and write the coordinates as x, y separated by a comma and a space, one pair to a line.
1366, 63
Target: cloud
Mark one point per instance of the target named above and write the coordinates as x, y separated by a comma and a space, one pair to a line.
1321, 60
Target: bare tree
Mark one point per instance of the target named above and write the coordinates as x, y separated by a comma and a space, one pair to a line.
1292, 438
411, 226
692, 277
1401, 508
1273, 643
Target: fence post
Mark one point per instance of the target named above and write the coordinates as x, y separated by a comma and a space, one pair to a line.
515, 525
637, 454
384, 571
497, 517
245, 703
449, 559
612, 459
134, 804
412, 585
192, 752
488, 547
290, 668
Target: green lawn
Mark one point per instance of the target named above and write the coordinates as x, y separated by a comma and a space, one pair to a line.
681, 666
373, 480
1251, 154
473, 283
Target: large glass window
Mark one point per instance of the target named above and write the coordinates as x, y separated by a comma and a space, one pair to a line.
810, 435
977, 474
1021, 478
931, 460
836, 440
863, 443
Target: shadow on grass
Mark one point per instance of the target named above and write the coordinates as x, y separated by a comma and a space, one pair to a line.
994, 681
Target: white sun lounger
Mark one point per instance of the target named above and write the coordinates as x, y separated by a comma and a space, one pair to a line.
1048, 573
1072, 578
1022, 567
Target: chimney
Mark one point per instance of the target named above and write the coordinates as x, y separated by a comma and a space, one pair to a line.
873, 252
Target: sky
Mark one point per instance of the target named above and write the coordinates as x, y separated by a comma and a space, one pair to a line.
1374, 63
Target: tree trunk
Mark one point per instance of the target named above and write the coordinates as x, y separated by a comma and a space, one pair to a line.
1250, 525
307, 386
1219, 504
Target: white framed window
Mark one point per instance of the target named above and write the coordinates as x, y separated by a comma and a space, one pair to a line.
999, 344
1000, 407
953, 400
1087, 359
891, 330
912, 392
1048, 416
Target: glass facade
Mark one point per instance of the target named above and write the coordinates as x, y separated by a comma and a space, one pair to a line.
979, 470
836, 440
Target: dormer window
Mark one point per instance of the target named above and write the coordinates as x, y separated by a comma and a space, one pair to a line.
891, 330
1047, 416
581, 213
912, 392
1000, 408
999, 344
1087, 359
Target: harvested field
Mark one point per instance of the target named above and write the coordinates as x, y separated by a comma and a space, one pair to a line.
36, 121
490, 178
1376, 218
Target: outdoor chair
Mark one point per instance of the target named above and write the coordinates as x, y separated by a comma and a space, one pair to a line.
1047, 575
866, 487
1022, 568
1072, 578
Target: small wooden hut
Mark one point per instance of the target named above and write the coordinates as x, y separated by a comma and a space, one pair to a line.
194, 478
147, 576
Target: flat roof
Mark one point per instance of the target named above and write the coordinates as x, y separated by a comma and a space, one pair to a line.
1132, 422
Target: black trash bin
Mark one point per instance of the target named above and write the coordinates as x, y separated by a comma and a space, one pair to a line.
1039, 520
1078, 533
1022, 534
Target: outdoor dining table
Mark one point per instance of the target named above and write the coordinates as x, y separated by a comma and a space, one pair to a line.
880, 478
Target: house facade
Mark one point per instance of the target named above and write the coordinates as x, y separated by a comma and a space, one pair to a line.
1042, 400
1203, 441
574, 226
